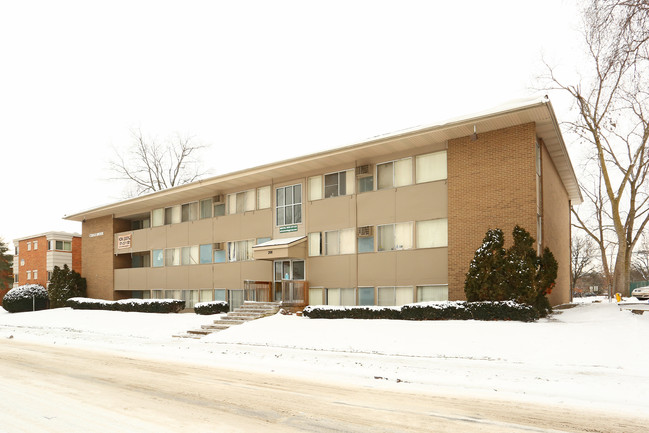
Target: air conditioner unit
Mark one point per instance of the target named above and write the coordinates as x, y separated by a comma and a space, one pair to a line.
365, 232
218, 198
218, 246
364, 170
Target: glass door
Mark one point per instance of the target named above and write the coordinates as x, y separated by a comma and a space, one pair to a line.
286, 271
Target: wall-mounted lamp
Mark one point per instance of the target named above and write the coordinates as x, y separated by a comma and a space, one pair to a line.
474, 136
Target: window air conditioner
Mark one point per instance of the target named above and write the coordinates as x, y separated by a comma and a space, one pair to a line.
218, 246
218, 198
365, 232
364, 170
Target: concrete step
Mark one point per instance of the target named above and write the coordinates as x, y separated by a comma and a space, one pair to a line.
215, 327
229, 321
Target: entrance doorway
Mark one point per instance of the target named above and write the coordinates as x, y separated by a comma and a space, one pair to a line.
286, 272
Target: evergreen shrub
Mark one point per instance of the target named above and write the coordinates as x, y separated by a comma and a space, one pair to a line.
128, 305
25, 298
65, 284
214, 307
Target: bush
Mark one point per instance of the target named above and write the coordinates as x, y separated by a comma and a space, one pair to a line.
128, 305
65, 284
25, 298
458, 310
214, 307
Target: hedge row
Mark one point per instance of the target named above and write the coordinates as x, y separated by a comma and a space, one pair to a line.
134, 305
214, 307
459, 310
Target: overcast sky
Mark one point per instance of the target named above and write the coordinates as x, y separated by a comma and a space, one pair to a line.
259, 81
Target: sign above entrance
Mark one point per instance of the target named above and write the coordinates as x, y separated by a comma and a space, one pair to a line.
288, 229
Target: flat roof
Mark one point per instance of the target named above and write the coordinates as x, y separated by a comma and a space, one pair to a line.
537, 110
50, 235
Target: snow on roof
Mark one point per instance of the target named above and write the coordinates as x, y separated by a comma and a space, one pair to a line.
278, 242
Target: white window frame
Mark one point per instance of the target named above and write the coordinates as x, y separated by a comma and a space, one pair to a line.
241, 202
29, 275
35, 245
422, 176
29, 246
419, 295
350, 181
240, 251
403, 162
407, 245
435, 242
285, 205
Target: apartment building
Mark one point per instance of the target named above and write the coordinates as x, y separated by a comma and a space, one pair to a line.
35, 256
388, 221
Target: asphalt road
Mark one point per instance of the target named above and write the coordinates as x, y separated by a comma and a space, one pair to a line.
60, 389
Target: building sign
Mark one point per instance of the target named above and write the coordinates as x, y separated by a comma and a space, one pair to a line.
124, 241
94, 235
288, 229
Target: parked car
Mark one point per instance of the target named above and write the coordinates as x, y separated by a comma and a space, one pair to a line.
641, 293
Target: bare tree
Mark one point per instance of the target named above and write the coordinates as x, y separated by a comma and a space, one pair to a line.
641, 260
153, 166
612, 121
582, 255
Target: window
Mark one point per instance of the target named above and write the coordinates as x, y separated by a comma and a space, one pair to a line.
158, 217
298, 269
220, 295
366, 296
341, 296
29, 275
206, 208
365, 184
63, 245
434, 292
189, 255
239, 251
173, 214
430, 167
316, 295
395, 237
16, 278
241, 202
219, 253
29, 246
140, 260
339, 242
205, 253
49, 276
315, 188
263, 197
141, 223
16, 249
432, 233
394, 174
189, 296
172, 257
22, 262
341, 183
35, 273
219, 209
158, 258
262, 240
189, 212
315, 244
395, 295
289, 204
35, 245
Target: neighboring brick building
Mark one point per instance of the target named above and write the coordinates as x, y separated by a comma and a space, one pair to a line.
36, 256
388, 221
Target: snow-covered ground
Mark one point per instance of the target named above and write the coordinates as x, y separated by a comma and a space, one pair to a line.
592, 355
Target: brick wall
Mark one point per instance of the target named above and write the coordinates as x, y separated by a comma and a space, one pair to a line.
491, 184
97, 257
34, 260
76, 254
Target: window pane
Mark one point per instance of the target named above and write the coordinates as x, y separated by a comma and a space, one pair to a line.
432, 293
219, 209
168, 217
347, 296
262, 240
315, 295
366, 184
314, 244
280, 196
403, 295
403, 236
280, 216
297, 213
278, 271
206, 208
193, 255
249, 197
176, 214
288, 215
207, 295
288, 195
263, 197
431, 167
386, 296
347, 241
366, 245
185, 259
333, 297
298, 270
342, 182
432, 233
350, 179
286, 270
366, 296
331, 185
331, 245
219, 256
315, 188
297, 193
386, 238
59, 245
158, 258
232, 204
232, 251
193, 211
219, 295
384, 174
403, 172
206, 253
185, 212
